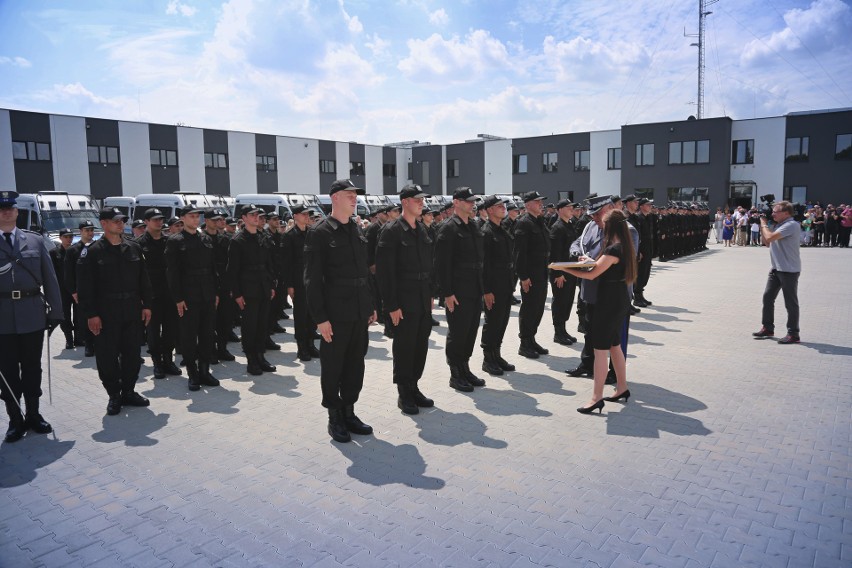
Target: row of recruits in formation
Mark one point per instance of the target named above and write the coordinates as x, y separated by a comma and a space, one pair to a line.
183, 290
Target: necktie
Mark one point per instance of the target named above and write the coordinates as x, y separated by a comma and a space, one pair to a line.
8, 237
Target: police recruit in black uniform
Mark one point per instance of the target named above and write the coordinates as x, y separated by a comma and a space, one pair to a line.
532, 251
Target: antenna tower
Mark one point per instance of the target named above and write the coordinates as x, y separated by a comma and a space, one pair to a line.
702, 15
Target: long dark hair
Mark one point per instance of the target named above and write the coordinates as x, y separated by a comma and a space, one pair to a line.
616, 230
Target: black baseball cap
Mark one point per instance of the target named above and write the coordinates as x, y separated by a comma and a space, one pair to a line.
250, 209
532, 196
300, 208
153, 214
464, 194
490, 201
110, 214
63, 232
138, 223
412, 190
564, 203
643, 200
345, 185
86, 225
629, 198
190, 209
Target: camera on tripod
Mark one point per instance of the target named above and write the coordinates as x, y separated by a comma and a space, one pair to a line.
765, 207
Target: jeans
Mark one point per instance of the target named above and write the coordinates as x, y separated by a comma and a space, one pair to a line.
788, 283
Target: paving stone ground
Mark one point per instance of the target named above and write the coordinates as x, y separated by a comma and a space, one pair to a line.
731, 452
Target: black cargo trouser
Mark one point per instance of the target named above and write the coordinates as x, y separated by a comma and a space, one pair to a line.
303, 325
226, 313
463, 324
197, 336
342, 363
644, 274
496, 321
532, 307
117, 349
255, 324
411, 346
563, 301
162, 330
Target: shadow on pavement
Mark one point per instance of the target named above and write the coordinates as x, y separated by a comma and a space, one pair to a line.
377, 462
648, 326
538, 384
652, 410
20, 462
454, 429
649, 315
828, 349
670, 309
507, 403
217, 400
133, 426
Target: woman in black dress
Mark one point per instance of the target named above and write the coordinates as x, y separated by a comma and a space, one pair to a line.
616, 269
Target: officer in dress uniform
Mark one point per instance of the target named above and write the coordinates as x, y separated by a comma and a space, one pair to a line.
459, 256
498, 281
115, 294
404, 261
339, 301
83, 335
57, 256
250, 273
532, 250
162, 331
25, 313
563, 285
190, 271
294, 251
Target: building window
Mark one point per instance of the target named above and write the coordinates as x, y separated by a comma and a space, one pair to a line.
327, 166
452, 168
581, 160
550, 162
742, 152
519, 164
410, 171
843, 150
688, 193
569, 195
425, 173
356, 168
795, 193
216, 161
265, 163
644, 155
103, 155
646, 192
33, 151
689, 152
166, 158
613, 158
702, 152
797, 149
389, 170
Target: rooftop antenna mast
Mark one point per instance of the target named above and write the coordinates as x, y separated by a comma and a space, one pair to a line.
702, 15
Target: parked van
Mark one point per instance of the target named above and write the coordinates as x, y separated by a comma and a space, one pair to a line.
47, 212
266, 201
361, 208
169, 203
309, 200
376, 202
125, 204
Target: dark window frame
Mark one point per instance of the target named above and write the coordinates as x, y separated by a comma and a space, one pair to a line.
549, 166
642, 153
328, 166
216, 160
846, 152
163, 158
33, 151
516, 164
103, 155
266, 163
578, 160
389, 170
747, 154
802, 153
453, 167
613, 158
356, 169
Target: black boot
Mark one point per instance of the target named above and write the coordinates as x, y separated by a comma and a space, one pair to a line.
560, 335
194, 381
276, 328
253, 365
233, 337
17, 426
458, 380
302, 351
69, 340
205, 377
169, 366
312, 349
114, 404
224, 355
353, 423
538, 348
264, 365
337, 427
421, 399
527, 350
34, 420
470, 377
505, 365
489, 364
435, 322
271, 345
90, 349
406, 401
159, 371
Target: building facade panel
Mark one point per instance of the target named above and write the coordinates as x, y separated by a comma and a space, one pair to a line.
373, 163
330, 166
135, 149
425, 168
266, 163
242, 167
103, 158
391, 170
463, 166
165, 177
605, 163
498, 166
765, 174
216, 170
191, 174
7, 163
403, 158
298, 165
550, 165
357, 165
70, 162
822, 176
33, 168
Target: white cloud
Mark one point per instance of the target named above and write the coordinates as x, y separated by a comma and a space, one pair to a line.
818, 26
352, 22
15, 61
439, 17
582, 59
377, 45
454, 59
76, 92
174, 7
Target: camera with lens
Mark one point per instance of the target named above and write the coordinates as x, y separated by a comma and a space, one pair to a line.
766, 203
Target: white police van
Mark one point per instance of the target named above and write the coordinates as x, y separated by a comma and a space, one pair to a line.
170, 203
267, 201
361, 207
48, 212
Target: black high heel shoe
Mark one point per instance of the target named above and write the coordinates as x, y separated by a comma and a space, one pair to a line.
589, 409
625, 395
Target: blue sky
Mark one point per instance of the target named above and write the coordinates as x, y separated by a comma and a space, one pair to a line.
379, 72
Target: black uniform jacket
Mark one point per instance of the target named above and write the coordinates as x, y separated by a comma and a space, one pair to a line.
646, 235
404, 267
562, 234
72, 255
498, 272
336, 272
112, 282
57, 257
154, 253
459, 257
532, 246
294, 258
250, 266
190, 267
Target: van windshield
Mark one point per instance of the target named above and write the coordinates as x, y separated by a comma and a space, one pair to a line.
53, 221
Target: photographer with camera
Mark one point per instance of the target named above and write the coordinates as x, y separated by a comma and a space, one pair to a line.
783, 240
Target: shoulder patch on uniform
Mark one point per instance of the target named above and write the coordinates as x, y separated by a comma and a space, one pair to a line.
84, 252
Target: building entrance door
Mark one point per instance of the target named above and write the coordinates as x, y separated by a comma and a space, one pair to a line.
742, 194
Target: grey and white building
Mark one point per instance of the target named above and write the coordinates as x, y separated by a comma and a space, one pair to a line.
803, 156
